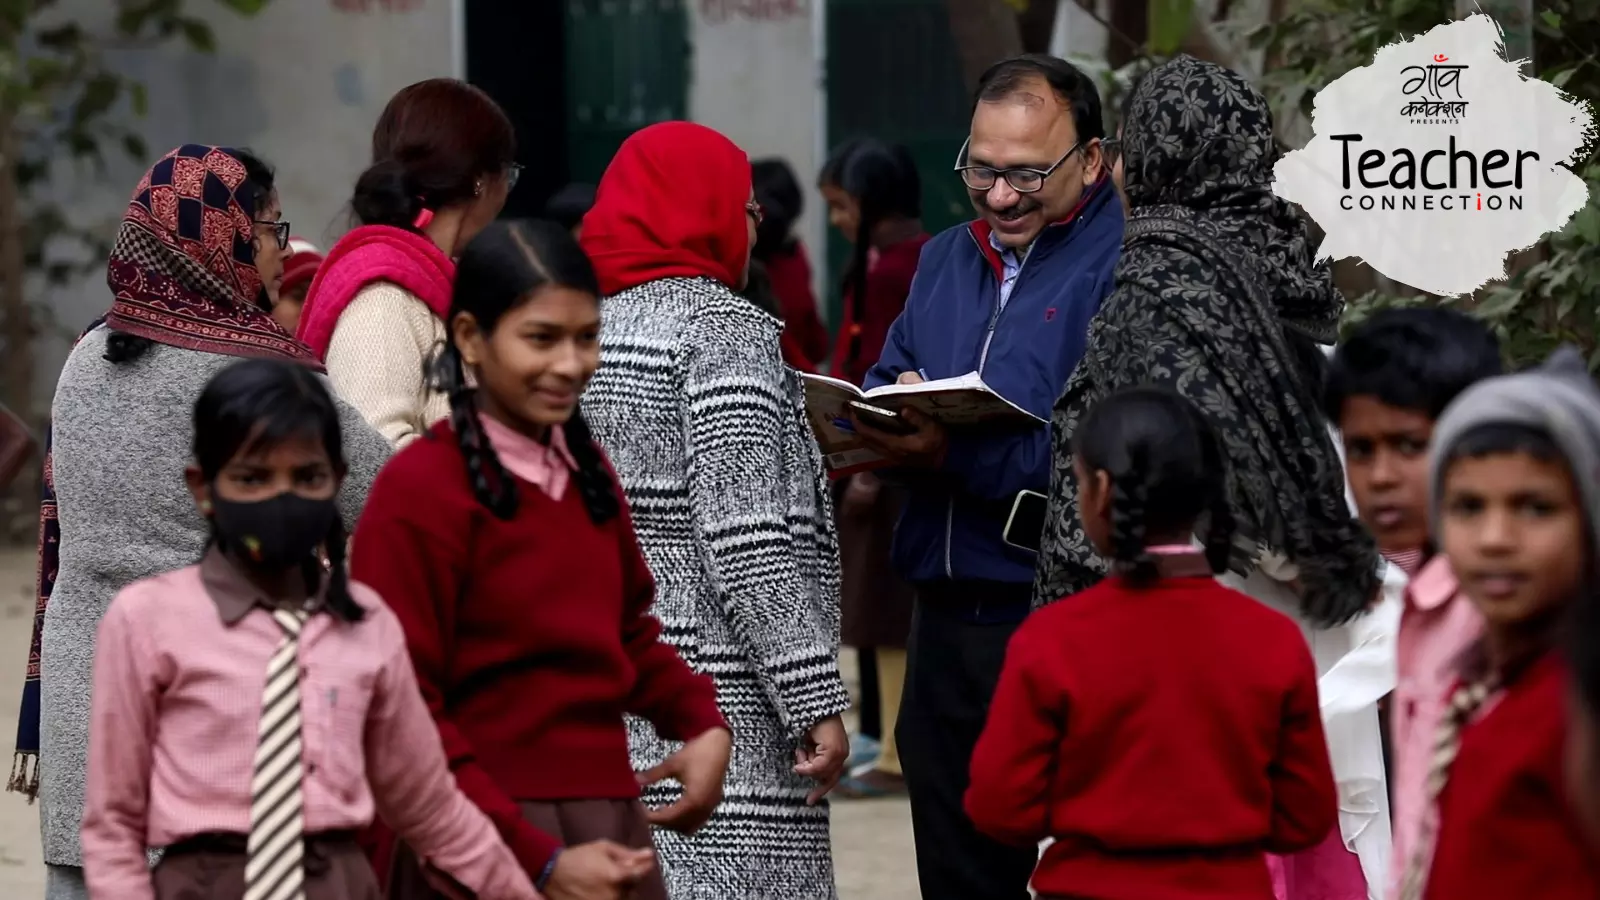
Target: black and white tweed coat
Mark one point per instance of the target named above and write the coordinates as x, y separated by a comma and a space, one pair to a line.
706, 428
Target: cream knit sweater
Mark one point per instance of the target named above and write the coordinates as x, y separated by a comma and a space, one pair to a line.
379, 357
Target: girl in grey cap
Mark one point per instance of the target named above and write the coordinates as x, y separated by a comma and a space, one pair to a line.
1515, 465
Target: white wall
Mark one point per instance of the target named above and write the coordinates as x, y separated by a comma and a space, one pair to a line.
754, 77
301, 85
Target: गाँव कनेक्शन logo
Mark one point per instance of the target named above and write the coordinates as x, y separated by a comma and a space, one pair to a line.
1439, 159
1433, 92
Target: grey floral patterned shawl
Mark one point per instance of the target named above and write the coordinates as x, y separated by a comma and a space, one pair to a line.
1217, 297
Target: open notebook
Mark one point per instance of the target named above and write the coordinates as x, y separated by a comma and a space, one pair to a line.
957, 403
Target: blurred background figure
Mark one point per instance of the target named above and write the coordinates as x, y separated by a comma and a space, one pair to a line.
299, 269
568, 206
782, 259
874, 199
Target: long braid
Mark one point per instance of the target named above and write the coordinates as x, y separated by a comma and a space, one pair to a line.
1133, 559
594, 481
491, 483
1219, 534
338, 597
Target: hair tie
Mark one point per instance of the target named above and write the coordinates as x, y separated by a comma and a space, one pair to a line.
422, 219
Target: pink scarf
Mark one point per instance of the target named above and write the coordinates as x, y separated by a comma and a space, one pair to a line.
370, 254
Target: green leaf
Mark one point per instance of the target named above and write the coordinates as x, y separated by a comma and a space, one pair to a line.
135, 147
139, 97
198, 35
1560, 78
99, 94
245, 7
1551, 18
1170, 21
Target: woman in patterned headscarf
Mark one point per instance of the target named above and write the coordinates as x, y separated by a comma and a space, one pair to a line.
201, 233
1217, 297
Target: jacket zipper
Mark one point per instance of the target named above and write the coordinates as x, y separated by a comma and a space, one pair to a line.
983, 357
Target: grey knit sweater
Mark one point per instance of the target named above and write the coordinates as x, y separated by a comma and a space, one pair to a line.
122, 436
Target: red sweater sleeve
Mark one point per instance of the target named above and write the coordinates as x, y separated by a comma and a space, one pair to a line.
1008, 797
679, 702
411, 546
1305, 799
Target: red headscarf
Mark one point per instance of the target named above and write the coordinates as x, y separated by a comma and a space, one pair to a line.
672, 203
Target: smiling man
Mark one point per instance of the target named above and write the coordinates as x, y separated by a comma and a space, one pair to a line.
1010, 296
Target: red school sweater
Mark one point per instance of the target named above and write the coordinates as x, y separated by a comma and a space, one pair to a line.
530, 637
1166, 738
1506, 830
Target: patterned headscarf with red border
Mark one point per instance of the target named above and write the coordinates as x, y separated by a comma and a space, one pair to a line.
182, 271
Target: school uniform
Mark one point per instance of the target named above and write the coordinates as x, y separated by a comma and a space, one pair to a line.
1505, 828
531, 638
185, 665
1437, 625
1165, 738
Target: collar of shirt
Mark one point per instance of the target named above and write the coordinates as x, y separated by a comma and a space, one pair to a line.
1433, 585
547, 466
1011, 256
235, 594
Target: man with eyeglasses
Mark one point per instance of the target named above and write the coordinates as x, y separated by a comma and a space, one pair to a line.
1009, 296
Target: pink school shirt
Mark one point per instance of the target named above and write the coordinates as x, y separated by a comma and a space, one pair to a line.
180, 666
1436, 626
549, 466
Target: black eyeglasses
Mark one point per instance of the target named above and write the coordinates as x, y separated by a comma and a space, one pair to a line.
280, 229
1023, 179
513, 173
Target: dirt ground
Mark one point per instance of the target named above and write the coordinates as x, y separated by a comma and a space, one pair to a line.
872, 839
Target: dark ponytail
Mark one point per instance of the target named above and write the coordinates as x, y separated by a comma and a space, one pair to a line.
385, 196
1168, 476
498, 271
255, 404
1128, 513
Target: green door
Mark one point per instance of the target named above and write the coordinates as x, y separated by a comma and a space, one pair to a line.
893, 74
627, 67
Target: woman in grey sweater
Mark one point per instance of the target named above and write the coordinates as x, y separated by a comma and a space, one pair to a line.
200, 241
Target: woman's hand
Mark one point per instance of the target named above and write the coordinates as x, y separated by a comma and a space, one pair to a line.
700, 766
599, 870
821, 756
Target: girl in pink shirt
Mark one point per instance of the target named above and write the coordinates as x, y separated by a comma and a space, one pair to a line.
252, 712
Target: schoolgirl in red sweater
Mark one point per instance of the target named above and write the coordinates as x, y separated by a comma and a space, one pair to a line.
1161, 728
1515, 470
504, 545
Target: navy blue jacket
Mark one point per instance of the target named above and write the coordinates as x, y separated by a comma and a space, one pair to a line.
953, 520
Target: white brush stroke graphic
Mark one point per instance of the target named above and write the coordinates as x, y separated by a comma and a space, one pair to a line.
1449, 90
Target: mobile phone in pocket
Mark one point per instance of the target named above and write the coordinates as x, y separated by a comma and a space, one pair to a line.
1025, 526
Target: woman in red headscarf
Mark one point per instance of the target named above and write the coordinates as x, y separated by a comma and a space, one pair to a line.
706, 427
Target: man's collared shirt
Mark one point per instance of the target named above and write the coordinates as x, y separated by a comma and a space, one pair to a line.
1011, 263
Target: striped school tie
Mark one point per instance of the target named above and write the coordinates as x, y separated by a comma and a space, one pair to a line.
275, 851
1464, 704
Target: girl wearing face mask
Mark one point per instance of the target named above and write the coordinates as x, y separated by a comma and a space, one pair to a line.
251, 711
115, 509
503, 543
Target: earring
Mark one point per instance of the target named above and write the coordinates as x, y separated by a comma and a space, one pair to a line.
477, 189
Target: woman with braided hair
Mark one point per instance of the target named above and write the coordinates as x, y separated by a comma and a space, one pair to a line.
503, 543
1161, 727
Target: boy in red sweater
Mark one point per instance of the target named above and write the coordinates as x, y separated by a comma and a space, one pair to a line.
1161, 728
1515, 465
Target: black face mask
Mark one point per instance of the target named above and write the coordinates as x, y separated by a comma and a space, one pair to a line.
274, 534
